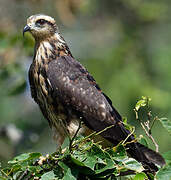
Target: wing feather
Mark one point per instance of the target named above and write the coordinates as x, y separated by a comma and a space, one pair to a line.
76, 88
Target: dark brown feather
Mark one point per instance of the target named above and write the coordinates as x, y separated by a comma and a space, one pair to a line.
75, 89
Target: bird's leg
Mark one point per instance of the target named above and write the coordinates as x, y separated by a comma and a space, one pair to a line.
72, 139
59, 136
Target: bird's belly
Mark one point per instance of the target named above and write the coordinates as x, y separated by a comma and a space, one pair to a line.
53, 112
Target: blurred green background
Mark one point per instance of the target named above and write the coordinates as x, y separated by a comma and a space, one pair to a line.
125, 45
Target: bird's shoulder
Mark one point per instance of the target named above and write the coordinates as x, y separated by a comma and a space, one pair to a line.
74, 84
66, 68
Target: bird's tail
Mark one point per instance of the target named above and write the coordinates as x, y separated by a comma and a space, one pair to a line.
146, 156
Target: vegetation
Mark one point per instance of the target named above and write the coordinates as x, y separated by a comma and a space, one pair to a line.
81, 158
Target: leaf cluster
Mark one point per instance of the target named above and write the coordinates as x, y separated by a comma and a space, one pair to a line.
85, 160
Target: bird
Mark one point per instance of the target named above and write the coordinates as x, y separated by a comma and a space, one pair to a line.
67, 93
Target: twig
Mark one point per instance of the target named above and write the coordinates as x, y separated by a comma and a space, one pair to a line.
128, 136
85, 138
104, 130
24, 174
4, 173
129, 172
154, 119
93, 134
136, 115
146, 128
71, 141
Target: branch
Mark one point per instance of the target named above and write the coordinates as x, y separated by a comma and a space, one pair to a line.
79, 127
147, 129
129, 172
146, 125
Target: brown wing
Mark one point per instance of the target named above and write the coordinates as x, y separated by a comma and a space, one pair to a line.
31, 81
72, 83
34, 91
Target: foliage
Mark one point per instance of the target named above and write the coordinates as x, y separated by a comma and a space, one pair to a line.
150, 120
85, 160
166, 124
125, 45
82, 158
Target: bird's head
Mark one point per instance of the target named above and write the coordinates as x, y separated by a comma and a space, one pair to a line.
40, 26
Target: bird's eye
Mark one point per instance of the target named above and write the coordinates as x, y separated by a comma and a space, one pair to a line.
40, 21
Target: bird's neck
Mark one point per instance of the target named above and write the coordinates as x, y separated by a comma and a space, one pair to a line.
51, 48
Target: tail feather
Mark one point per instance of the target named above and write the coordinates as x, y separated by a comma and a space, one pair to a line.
146, 156
149, 158
152, 156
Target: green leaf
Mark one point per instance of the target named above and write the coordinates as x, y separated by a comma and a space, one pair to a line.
124, 119
16, 167
2, 178
34, 169
25, 157
86, 159
48, 176
167, 156
110, 164
63, 166
166, 124
19, 158
132, 164
77, 161
164, 173
90, 162
143, 102
97, 151
69, 176
140, 176
118, 153
34, 155
58, 171
140, 104
17, 175
144, 141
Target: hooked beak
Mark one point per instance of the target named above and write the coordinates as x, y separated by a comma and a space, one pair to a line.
26, 28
